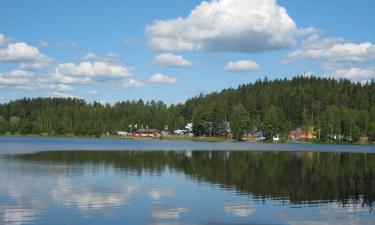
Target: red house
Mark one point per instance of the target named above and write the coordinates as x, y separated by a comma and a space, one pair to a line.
146, 133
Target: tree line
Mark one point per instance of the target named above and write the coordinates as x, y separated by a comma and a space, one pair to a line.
332, 107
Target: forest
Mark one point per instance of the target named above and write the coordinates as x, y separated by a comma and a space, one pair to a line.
331, 107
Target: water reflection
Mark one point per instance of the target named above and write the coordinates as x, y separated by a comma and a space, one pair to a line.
86, 200
198, 187
168, 213
19, 216
302, 178
158, 193
240, 210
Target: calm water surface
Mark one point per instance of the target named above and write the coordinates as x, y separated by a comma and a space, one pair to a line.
14, 144
95, 181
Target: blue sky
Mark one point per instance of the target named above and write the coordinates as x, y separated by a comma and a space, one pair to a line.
173, 50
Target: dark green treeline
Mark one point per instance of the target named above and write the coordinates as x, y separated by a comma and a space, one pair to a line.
330, 106
301, 177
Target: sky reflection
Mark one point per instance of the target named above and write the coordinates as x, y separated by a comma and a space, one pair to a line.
173, 188
158, 193
87, 199
239, 210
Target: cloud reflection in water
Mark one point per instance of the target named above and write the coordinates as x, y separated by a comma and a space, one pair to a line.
158, 193
239, 210
168, 213
88, 200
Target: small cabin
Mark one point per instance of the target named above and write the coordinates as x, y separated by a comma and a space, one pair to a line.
122, 133
146, 133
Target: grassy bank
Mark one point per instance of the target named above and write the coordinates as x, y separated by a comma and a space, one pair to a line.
203, 138
187, 138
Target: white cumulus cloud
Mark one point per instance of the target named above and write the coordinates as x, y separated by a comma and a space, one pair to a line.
87, 72
38, 72
162, 79
171, 60
133, 83
356, 74
42, 63
332, 49
226, 25
19, 52
307, 31
28, 57
19, 79
31, 81
90, 56
242, 66
108, 58
339, 59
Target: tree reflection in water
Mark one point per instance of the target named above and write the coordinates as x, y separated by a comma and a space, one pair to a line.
300, 177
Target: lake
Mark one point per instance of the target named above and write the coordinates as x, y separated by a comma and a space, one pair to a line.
107, 181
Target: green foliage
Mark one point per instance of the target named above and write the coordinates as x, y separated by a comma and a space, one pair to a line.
3, 125
239, 121
201, 121
274, 121
332, 107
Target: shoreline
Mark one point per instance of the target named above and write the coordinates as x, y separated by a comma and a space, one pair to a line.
185, 138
